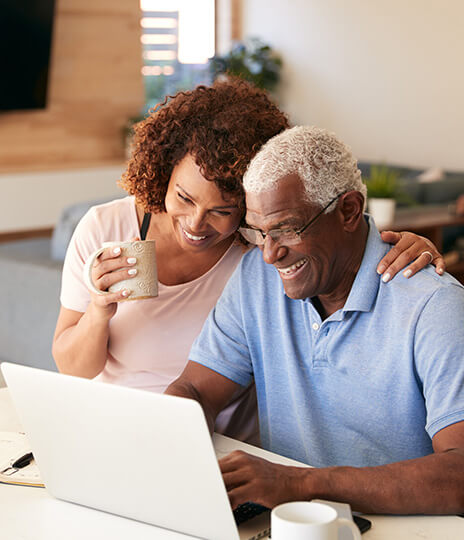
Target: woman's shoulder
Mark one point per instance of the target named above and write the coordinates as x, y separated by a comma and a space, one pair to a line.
109, 212
115, 220
113, 207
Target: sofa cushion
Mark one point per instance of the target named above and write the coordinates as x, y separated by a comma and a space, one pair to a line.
69, 218
30, 290
444, 191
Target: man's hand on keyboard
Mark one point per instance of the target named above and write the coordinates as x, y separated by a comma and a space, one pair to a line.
249, 478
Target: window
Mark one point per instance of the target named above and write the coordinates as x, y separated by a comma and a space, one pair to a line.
177, 41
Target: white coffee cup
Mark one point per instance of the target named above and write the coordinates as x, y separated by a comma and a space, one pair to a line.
144, 284
308, 521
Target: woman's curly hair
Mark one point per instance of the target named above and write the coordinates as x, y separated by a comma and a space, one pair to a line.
221, 126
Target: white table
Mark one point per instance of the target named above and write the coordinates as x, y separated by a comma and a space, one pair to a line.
28, 513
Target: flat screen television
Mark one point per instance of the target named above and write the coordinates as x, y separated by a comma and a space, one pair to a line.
25, 44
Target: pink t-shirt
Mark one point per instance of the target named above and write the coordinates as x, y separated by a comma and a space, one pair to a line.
150, 339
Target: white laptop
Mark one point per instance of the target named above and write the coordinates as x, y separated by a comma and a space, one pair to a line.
133, 453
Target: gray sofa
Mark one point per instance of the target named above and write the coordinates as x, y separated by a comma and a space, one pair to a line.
439, 192
30, 281
444, 191
29, 289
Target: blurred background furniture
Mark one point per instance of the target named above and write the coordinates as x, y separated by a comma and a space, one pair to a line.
430, 210
30, 280
424, 192
440, 224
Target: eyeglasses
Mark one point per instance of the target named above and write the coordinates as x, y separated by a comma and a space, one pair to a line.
285, 237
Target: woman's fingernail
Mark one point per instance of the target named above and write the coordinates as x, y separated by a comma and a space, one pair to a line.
131, 260
132, 271
407, 274
125, 292
386, 277
381, 269
117, 250
440, 271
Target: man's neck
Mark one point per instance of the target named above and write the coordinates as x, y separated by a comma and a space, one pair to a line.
350, 262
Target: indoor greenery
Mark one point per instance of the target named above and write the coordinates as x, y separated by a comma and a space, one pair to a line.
383, 182
251, 60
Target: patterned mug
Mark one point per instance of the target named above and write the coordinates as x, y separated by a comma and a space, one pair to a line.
144, 284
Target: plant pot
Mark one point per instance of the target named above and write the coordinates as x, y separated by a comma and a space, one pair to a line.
382, 211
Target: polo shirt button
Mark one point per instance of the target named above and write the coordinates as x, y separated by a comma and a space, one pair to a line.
315, 326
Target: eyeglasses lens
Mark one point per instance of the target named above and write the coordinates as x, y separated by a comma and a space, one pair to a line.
252, 236
284, 238
278, 236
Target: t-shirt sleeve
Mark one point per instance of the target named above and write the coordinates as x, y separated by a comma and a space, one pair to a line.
439, 357
222, 344
84, 241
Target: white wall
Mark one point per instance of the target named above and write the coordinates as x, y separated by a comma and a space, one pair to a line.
35, 200
386, 75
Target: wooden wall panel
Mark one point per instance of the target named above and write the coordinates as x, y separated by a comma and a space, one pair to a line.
236, 20
95, 85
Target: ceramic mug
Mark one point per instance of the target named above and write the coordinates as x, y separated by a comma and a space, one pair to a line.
308, 521
144, 284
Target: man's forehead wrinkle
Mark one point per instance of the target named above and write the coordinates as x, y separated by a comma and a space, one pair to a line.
287, 207
275, 219
283, 204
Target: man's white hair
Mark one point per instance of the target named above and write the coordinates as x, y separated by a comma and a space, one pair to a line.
325, 165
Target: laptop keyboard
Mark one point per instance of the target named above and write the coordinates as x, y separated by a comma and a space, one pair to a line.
248, 510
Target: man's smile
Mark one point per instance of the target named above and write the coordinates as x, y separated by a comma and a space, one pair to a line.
290, 272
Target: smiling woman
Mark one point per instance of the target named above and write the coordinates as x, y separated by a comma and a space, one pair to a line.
201, 219
185, 175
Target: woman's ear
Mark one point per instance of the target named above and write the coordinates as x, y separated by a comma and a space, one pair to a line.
351, 207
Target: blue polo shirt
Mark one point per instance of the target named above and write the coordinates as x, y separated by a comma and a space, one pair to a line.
369, 385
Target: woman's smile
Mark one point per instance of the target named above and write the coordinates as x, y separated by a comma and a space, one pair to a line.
201, 217
195, 239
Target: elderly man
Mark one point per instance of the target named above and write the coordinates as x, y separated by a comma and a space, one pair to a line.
362, 379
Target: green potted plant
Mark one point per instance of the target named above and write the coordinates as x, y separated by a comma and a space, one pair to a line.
383, 191
251, 60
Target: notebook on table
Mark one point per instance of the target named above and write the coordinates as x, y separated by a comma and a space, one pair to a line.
133, 453
17, 465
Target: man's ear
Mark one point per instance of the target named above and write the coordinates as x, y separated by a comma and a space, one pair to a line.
351, 208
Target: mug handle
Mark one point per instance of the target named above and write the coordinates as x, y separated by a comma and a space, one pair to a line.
343, 522
87, 272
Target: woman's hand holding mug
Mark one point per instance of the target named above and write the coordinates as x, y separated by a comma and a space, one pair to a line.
121, 271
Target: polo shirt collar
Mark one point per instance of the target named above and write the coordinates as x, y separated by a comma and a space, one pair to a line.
366, 283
